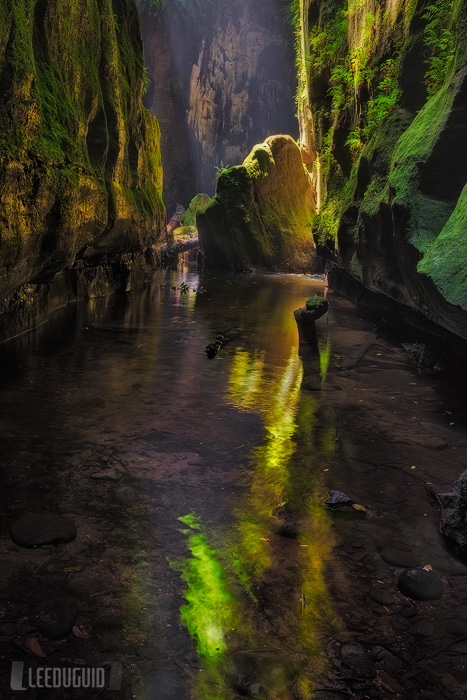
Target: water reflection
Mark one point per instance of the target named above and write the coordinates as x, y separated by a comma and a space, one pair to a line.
258, 603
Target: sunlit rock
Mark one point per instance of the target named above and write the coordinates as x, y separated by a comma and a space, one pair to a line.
261, 214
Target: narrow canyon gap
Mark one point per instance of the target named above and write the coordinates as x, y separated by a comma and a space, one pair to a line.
233, 431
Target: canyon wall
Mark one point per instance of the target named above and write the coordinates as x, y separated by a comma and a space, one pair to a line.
80, 171
222, 79
382, 103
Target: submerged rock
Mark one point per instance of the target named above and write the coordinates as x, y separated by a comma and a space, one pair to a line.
338, 499
36, 529
55, 617
420, 584
125, 496
357, 658
454, 517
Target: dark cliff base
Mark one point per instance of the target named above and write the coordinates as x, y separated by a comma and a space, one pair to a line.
446, 350
80, 170
30, 305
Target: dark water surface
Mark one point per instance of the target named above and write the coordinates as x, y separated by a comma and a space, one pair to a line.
197, 487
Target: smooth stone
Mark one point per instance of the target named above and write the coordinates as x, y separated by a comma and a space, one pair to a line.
397, 557
400, 624
456, 627
108, 621
422, 629
84, 588
125, 496
108, 642
357, 658
36, 529
420, 584
55, 617
380, 595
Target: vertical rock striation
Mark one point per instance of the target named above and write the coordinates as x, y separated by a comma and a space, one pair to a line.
382, 105
80, 171
222, 80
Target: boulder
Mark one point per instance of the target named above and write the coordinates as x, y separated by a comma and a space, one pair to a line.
36, 529
420, 584
261, 213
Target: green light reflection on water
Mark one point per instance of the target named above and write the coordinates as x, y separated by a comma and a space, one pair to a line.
222, 611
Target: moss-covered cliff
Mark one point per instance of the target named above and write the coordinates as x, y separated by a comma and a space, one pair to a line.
382, 104
261, 214
80, 172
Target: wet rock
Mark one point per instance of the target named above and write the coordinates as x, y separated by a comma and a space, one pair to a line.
382, 596
84, 587
400, 624
448, 565
399, 557
125, 496
338, 499
315, 309
108, 475
420, 584
456, 627
108, 621
55, 617
425, 356
326, 695
454, 519
422, 629
287, 531
108, 642
390, 682
358, 660
36, 529
392, 664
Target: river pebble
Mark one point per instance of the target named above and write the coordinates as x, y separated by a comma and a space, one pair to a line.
420, 584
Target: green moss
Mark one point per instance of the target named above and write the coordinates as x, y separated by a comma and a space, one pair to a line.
198, 205
427, 216
313, 302
445, 262
258, 220
83, 150
258, 161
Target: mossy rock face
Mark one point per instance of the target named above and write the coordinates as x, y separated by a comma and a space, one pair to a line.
80, 172
382, 105
198, 205
261, 213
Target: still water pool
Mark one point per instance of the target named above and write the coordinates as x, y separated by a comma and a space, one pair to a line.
206, 561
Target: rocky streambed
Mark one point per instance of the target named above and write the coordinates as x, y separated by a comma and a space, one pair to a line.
116, 425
